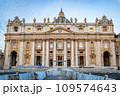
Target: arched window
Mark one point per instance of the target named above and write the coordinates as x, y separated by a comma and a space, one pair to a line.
15, 29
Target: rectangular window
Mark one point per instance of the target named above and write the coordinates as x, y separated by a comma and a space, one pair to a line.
28, 29
104, 28
39, 44
51, 51
80, 29
68, 45
68, 51
14, 44
91, 29
38, 51
81, 51
105, 45
51, 45
80, 44
59, 44
68, 28
51, 28
39, 29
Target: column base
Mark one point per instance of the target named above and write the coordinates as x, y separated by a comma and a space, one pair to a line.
118, 68
47, 66
6, 67
74, 66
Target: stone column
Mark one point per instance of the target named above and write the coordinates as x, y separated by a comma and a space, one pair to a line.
119, 62
54, 54
43, 53
7, 62
47, 53
65, 54
33, 53
21, 54
76, 53
72, 53
86, 52
98, 52
113, 63
23, 28
102, 45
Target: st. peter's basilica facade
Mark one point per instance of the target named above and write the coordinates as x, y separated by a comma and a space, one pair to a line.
60, 43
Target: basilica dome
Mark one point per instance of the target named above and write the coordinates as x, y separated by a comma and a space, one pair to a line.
61, 13
61, 18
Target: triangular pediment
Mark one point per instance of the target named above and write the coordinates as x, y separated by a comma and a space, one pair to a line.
59, 30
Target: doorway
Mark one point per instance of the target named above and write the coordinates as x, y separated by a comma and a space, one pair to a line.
13, 58
68, 63
39, 60
81, 61
60, 60
106, 58
51, 63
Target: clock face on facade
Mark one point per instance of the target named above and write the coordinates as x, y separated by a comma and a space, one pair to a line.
104, 21
16, 22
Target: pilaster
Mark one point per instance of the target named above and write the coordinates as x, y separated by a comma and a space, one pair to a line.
47, 53
21, 55
72, 53
43, 54
65, 54
76, 52
7, 63
54, 54
33, 53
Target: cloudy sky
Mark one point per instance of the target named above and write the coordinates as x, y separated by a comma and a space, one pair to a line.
39, 9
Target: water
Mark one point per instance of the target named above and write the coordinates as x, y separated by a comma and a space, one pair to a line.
57, 77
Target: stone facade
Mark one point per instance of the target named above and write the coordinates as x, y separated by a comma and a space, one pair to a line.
62, 42
117, 49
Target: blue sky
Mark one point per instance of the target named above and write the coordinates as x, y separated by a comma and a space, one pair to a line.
30, 9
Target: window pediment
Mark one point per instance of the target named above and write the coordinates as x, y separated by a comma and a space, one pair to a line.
59, 30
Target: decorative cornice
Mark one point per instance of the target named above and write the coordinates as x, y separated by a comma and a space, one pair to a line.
22, 40
7, 40
87, 40
49, 32
97, 39
113, 40
33, 39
